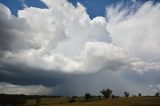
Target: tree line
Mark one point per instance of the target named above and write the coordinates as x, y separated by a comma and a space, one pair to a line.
20, 100
107, 93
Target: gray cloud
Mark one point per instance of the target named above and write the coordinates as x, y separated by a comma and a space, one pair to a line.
13, 32
23, 75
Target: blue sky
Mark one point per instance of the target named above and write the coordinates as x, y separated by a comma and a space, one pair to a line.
15, 5
94, 7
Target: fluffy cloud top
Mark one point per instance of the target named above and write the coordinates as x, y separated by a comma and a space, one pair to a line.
40, 38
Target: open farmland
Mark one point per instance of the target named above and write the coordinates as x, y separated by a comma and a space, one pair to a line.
63, 101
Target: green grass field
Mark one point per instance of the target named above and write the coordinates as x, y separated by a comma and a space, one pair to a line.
63, 101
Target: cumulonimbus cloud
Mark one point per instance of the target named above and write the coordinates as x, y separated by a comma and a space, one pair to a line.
62, 38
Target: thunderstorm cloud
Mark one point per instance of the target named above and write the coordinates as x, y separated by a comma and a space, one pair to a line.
62, 47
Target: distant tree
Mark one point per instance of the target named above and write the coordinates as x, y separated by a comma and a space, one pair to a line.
87, 96
157, 94
126, 94
74, 96
139, 95
113, 96
99, 96
106, 93
72, 100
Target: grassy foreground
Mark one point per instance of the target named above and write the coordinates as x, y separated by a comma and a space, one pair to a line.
63, 101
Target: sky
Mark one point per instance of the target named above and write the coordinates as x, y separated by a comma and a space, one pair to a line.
60, 47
